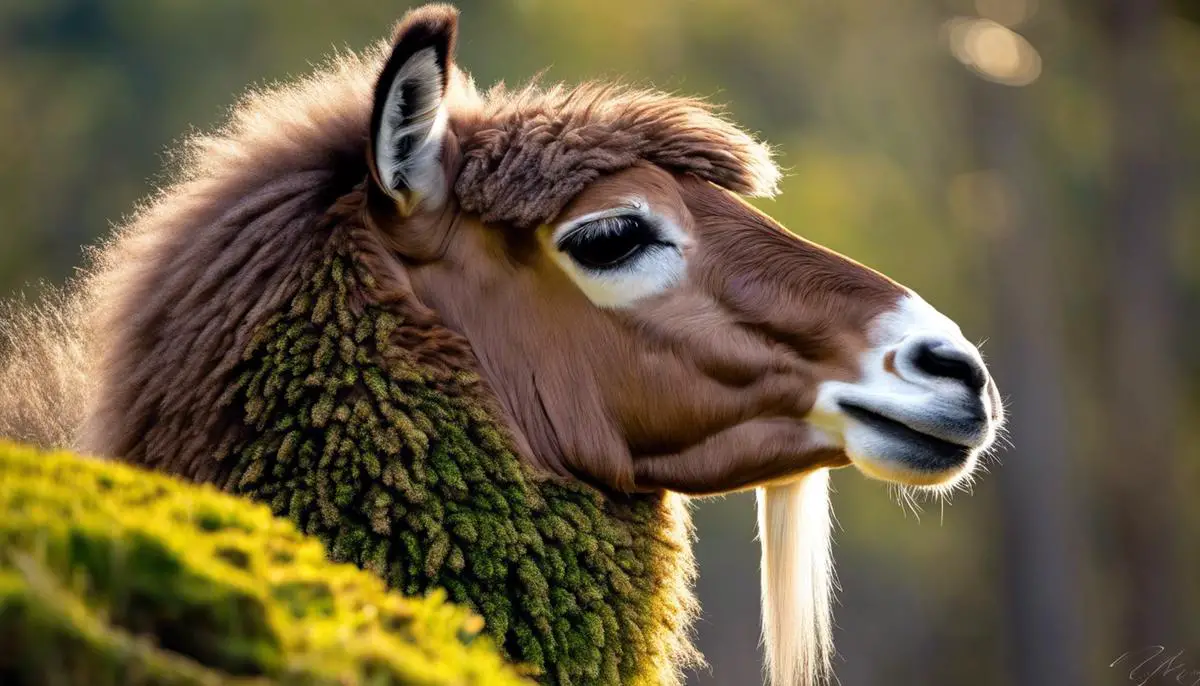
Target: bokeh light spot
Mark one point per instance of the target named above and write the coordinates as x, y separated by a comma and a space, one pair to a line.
994, 51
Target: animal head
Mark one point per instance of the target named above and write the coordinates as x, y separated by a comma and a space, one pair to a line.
644, 327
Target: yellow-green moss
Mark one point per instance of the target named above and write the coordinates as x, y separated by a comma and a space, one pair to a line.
398, 465
111, 575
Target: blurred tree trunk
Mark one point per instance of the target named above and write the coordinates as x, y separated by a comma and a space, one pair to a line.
1141, 395
1041, 541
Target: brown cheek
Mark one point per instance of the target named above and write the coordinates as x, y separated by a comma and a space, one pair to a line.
541, 346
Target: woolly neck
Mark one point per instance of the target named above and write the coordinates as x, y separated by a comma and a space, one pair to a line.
366, 422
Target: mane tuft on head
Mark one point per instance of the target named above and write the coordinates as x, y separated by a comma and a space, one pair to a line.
530, 151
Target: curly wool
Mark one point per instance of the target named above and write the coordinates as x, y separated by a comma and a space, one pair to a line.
111, 575
402, 468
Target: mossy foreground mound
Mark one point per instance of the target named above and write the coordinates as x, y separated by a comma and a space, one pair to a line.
111, 575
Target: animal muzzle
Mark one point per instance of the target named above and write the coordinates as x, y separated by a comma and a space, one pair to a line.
924, 407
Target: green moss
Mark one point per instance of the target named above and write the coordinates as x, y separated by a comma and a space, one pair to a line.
111, 575
356, 432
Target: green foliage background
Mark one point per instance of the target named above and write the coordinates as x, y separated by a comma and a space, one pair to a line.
884, 135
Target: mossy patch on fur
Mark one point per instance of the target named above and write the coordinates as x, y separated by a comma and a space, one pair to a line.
112, 575
401, 466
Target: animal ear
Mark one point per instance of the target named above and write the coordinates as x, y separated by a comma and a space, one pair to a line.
408, 122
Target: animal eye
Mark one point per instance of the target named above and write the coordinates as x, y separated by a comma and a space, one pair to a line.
610, 242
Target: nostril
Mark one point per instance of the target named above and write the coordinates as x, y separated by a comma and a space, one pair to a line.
940, 359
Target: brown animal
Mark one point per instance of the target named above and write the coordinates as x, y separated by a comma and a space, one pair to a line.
640, 326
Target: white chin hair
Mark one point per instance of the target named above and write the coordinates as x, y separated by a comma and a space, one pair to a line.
797, 580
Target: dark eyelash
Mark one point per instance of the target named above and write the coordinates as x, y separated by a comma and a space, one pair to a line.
609, 225
611, 242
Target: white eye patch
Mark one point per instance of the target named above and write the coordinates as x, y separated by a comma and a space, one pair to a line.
620, 255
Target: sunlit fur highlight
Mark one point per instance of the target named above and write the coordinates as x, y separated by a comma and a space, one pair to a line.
43, 368
797, 580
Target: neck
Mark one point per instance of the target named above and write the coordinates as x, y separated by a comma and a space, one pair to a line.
365, 421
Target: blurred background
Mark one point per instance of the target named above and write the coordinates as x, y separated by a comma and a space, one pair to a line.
1032, 167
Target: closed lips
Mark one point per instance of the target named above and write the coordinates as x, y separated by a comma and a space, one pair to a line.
936, 453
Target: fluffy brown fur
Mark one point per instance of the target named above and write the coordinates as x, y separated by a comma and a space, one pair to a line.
44, 384
209, 256
531, 151
186, 283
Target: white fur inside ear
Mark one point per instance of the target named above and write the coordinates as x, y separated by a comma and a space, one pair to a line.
408, 144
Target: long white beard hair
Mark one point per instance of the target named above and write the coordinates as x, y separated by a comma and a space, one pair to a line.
797, 580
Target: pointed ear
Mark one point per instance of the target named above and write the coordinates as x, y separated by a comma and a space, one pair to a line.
408, 122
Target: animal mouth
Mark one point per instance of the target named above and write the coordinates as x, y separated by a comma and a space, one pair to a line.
921, 450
